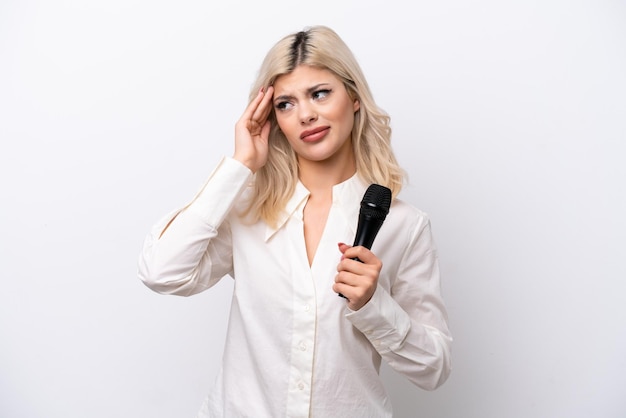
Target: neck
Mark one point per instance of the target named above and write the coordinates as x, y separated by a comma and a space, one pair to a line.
319, 177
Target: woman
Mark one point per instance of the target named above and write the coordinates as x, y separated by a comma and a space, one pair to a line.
276, 217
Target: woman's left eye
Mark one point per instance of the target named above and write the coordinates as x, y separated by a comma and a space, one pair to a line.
320, 94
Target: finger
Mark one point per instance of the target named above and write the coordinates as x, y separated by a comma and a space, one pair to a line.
343, 247
343, 290
347, 277
355, 273
347, 289
362, 254
252, 106
355, 297
265, 131
348, 265
265, 106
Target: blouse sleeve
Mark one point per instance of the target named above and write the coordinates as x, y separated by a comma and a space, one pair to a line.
408, 325
190, 249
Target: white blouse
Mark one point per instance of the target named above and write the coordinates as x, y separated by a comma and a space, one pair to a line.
293, 347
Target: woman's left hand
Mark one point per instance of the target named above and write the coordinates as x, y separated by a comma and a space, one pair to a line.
357, 280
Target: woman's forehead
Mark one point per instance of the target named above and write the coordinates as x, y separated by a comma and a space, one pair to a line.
304, 77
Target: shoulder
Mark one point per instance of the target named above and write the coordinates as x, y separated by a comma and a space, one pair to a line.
406, 212
407, 223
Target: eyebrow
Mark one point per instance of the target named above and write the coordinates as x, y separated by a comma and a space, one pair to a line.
310, 90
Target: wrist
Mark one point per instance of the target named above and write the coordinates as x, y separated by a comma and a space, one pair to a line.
245, 161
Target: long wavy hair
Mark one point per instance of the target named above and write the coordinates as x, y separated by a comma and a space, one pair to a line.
321, 47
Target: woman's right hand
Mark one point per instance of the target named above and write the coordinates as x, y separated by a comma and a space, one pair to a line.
252, 131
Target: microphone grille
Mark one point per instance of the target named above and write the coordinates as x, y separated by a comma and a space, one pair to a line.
376, 201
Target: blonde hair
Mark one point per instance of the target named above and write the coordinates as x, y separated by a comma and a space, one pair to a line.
321, 47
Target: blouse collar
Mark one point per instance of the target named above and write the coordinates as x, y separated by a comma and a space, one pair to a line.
347, 197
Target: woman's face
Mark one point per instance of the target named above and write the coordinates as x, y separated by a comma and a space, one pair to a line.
315, 112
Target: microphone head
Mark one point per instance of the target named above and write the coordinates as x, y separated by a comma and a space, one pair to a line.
376, 202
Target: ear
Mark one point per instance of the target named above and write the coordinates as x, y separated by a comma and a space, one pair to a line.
356, 105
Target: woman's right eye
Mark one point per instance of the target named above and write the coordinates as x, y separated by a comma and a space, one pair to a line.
283, 105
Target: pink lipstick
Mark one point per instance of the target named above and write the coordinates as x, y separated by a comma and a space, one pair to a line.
312, 135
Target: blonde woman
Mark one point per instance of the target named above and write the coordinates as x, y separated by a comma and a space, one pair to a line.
276, 217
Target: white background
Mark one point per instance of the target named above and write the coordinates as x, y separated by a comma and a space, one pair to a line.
510, 118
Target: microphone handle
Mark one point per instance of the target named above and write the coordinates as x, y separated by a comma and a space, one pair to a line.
366, 232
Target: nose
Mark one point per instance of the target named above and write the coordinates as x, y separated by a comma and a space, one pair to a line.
307, 114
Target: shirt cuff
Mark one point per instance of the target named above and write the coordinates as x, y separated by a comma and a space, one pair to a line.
220, 191
382, 321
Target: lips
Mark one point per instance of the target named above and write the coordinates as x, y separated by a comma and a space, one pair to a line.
312, 135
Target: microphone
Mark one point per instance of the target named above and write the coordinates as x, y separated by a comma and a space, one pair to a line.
374, 209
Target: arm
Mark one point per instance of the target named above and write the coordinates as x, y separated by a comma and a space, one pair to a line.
408, 324
190, 250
